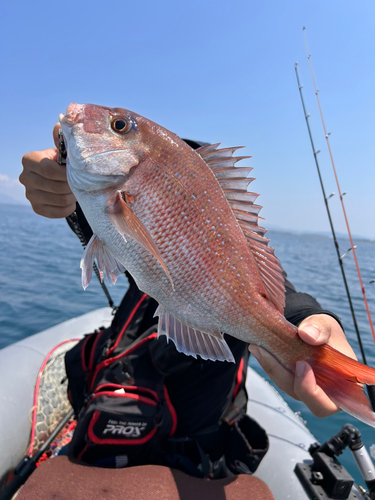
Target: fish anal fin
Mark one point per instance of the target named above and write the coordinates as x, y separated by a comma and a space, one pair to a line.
192, 341
128, 224
342, 379
107, 264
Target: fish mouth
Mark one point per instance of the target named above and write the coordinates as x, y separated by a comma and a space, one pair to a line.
74, 114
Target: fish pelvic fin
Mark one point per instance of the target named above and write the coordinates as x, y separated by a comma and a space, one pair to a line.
234, 182
342, 379
107, 264
128, 224
191, 341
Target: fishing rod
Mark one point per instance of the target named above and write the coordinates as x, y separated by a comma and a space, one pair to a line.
29, 463
338, 188
330, 220
370, 388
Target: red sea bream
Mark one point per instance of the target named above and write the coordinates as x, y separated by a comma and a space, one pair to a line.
183, 223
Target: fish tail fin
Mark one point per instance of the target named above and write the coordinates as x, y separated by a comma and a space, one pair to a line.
342, 379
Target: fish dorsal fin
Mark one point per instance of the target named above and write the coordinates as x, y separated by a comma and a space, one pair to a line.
107, 264
191, 341
234, 182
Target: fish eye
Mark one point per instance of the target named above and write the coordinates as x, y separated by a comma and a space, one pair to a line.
121, 125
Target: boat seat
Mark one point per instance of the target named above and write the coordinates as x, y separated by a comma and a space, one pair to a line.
60, 479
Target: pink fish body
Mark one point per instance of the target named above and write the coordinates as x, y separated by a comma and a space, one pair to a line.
184, 225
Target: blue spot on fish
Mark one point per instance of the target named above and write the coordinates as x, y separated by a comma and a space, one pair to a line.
134, 124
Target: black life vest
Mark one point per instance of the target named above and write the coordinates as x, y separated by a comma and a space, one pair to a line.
138, 401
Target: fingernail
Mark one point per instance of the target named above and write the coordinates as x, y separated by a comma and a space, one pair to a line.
312, 331
300, 368
255, 352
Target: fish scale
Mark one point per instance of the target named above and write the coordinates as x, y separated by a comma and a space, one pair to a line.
198, 244
185, 227
221, 308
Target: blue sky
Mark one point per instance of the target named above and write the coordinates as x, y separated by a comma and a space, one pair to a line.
217, 71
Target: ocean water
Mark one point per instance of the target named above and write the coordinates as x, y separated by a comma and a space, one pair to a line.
40, 287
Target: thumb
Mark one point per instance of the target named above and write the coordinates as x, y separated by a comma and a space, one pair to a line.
56, 130
315, 330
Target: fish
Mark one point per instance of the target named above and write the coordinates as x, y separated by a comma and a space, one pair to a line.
183, 223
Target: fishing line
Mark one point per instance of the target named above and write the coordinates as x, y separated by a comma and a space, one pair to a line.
330, 219
338, 187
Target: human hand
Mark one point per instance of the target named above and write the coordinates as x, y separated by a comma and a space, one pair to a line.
314, 330
47, 188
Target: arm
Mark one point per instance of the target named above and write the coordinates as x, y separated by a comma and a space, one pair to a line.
46, 185
315, 327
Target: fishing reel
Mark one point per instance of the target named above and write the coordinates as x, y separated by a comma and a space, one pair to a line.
61, 160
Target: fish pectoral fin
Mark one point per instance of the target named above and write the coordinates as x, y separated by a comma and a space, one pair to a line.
128, 224
107, 264
191, 341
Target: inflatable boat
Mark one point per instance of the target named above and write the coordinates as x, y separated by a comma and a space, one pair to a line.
287, 468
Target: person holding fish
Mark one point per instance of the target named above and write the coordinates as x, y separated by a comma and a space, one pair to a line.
182, 223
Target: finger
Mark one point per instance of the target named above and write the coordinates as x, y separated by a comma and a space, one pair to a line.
56, 130
52, 199
316, 329
35, 182
52, 170
53, 212
282, 377
43, 163
330, 331
310, 393
32, 159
